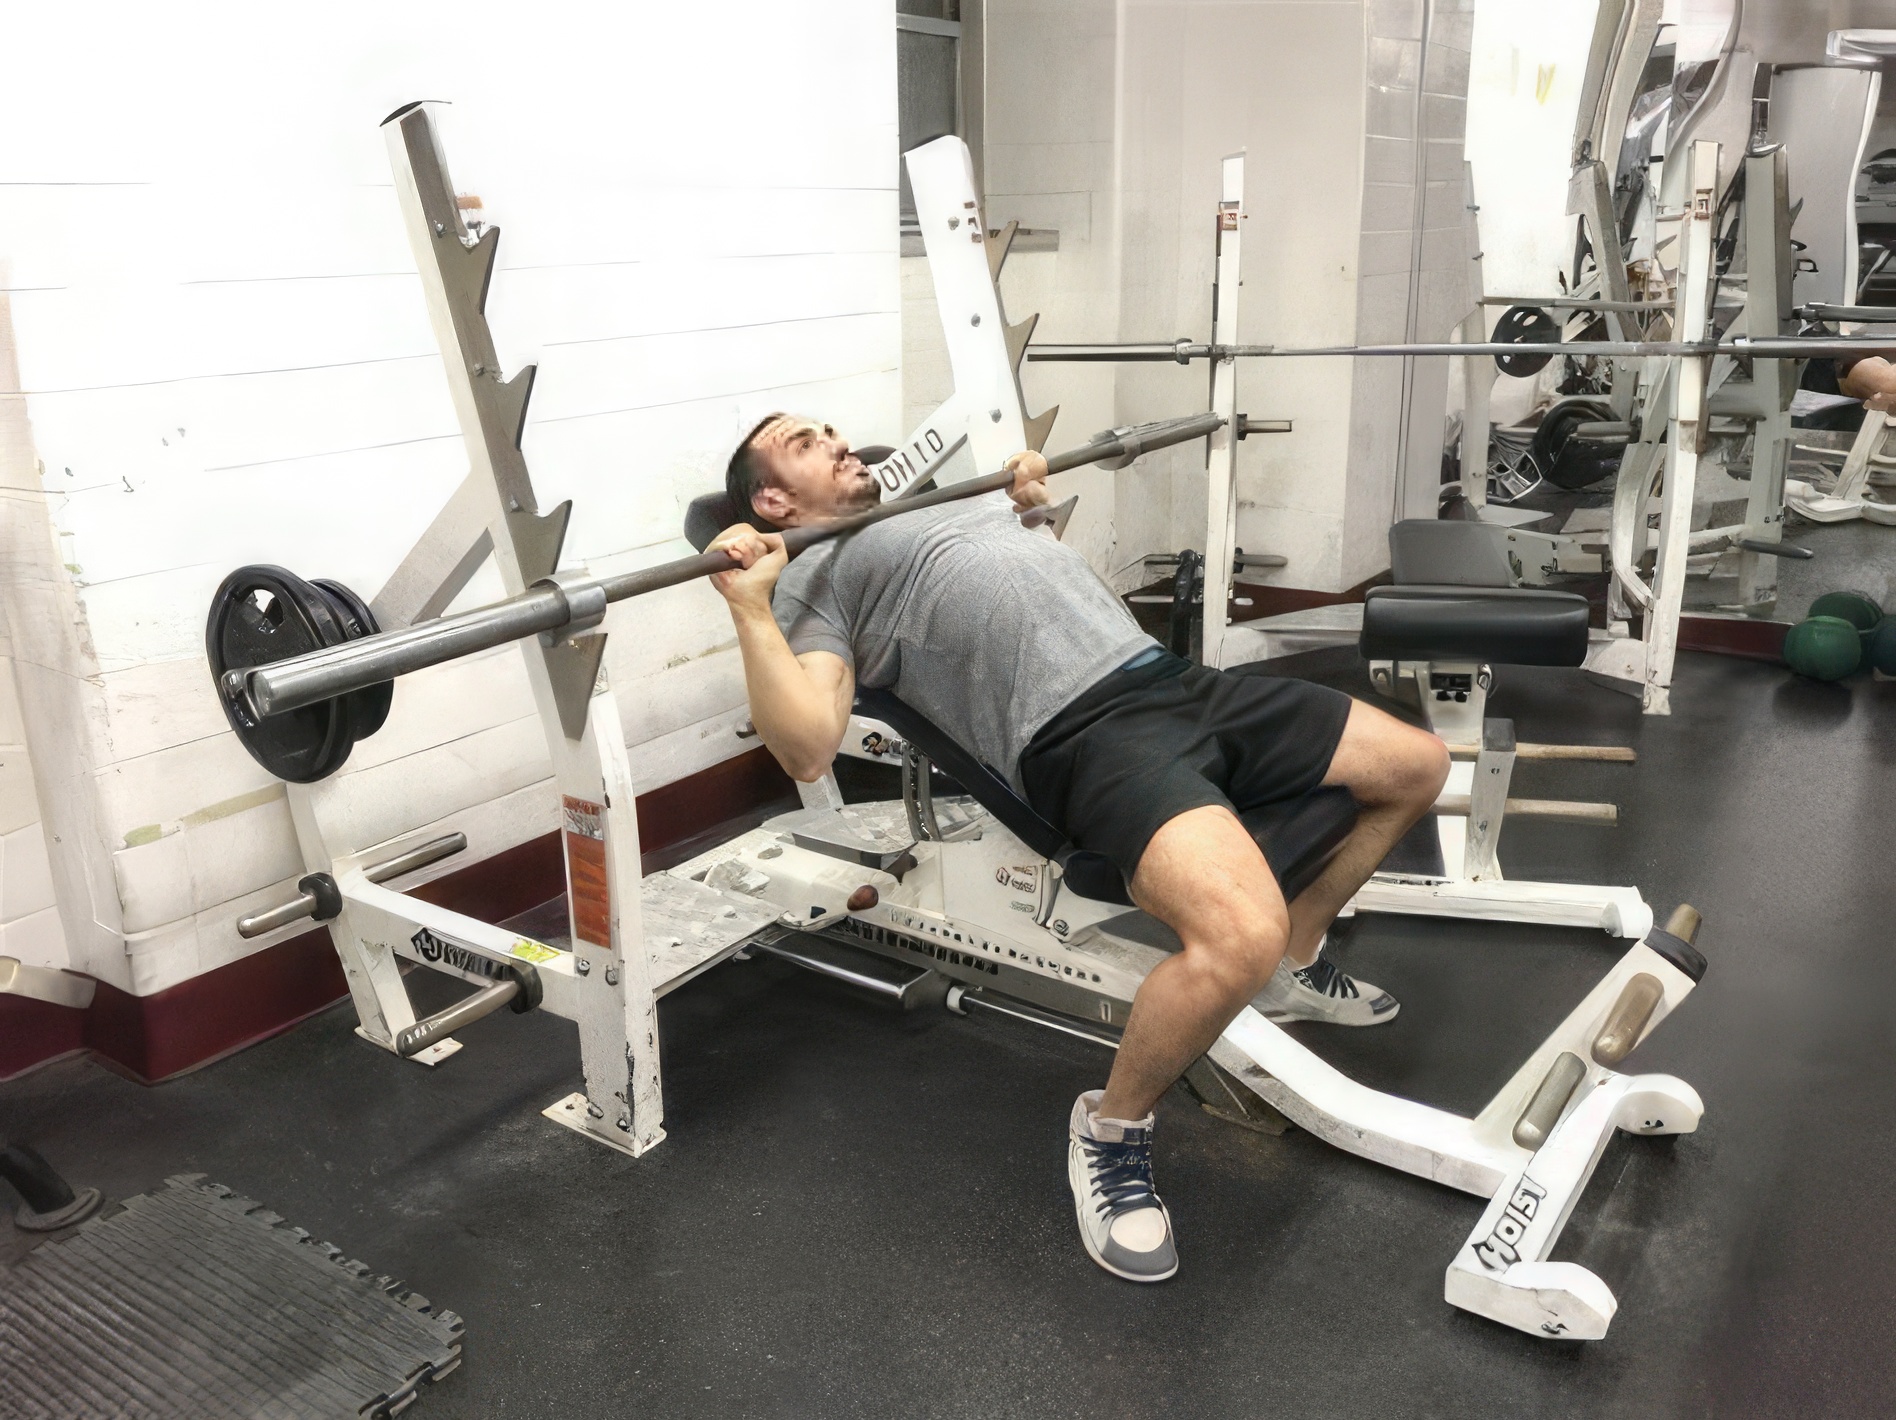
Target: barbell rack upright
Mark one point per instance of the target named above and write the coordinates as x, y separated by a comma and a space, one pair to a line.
610, 992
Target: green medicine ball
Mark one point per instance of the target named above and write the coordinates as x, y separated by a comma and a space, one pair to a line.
1859, 610
1823, 648
1880, 646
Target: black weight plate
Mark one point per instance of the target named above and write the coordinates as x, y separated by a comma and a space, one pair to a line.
1524, 325
265, 614
1567, 462
369, 704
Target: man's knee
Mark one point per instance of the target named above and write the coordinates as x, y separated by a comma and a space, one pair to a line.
1382, 760
1425, 768
1240, 944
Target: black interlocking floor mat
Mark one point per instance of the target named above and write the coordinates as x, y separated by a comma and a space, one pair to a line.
193, 1302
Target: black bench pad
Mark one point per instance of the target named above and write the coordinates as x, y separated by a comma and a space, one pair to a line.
1513, 626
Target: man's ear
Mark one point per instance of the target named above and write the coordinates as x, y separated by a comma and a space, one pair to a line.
772, 503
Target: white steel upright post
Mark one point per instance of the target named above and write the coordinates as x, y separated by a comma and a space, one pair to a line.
1478, 371
617, 1013
1767, 302
984, 351
1221, 487
1691, 319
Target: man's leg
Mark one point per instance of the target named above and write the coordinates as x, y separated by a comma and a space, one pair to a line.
1395, 772
1204, 877
1202, 874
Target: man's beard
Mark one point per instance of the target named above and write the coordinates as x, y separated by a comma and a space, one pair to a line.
860, 499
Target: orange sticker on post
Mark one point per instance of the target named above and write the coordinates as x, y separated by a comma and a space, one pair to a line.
583, 828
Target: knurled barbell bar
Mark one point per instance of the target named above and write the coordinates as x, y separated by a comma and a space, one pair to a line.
303, 672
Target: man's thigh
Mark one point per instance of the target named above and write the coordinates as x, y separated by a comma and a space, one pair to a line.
1275, 735
1380, 759
1203, 875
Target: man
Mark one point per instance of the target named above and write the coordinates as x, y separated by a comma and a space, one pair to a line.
1869, 378
1008, 641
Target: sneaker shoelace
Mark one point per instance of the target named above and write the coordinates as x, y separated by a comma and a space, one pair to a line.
1323, 977
1122, 1173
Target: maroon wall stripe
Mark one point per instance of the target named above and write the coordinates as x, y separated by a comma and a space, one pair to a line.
35, 1031
1742, 636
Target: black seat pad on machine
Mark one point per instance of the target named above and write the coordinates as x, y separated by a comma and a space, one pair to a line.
1298, 837
1513, 626
1454, 599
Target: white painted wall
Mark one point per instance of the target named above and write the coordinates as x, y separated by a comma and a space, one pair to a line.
223, 357
1108, 123
1528, 63
30, 930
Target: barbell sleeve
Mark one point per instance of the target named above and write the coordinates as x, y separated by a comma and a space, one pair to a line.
290, 684
1128, 352
303, 904
412, 1040
556, 603
257, 924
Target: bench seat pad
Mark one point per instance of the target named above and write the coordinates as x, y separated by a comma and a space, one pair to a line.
1513, 626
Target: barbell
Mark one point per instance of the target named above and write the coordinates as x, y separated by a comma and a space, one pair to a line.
1764, 347
303, 672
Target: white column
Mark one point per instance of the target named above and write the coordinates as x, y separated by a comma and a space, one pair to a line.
1221, 489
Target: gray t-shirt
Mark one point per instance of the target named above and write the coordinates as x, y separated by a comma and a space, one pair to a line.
987, 628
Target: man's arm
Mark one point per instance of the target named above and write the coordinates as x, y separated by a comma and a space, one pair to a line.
1871, 379
799, 704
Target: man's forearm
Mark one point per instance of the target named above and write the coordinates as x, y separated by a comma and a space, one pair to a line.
793, 715
1868, 378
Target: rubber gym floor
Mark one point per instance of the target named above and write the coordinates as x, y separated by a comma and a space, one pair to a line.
859, 1212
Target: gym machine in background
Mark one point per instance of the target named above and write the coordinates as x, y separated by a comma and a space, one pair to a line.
1432, 646
1709, 244
1659, 468
999, 914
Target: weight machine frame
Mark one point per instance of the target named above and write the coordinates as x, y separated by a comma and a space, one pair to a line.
982, 912
1471, 885
608, 980
986, 912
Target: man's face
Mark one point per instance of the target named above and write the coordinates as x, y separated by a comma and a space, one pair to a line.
813, 475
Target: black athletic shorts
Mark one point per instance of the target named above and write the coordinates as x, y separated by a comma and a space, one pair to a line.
1154, 740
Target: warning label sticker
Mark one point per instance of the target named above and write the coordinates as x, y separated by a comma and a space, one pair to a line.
584, 835
532, 951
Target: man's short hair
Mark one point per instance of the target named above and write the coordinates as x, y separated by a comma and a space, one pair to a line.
747, 472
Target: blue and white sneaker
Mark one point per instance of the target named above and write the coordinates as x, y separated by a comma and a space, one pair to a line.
1323, 992
1125, 1227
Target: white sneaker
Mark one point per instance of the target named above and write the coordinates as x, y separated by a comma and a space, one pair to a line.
1125, 1227
1323, 992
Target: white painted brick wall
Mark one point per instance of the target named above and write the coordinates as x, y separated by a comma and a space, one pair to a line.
1111, 120
214, 351
29, 917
